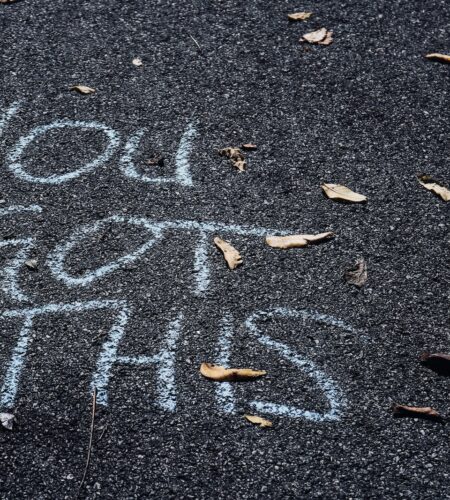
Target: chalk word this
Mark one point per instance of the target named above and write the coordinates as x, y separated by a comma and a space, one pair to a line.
164, 361
15, 164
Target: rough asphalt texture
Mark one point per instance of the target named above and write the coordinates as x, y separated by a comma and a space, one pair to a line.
369, 112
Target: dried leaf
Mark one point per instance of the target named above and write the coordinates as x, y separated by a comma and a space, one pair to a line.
82, 89
299, 16
156, 160
357, 275
7, 1
137, 61
429, 183
342, 193
262, 422
32, 264
221, 374
328, 40
236, 157
232, 256
296, 240
415, 412
249, 147
7, 420
438, 57
321, 37
438, 362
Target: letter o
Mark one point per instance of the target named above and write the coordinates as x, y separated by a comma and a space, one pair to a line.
18, 169
56, 259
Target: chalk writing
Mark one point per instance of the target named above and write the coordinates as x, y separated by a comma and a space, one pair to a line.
6, 116
56, 259
164, 359
182, 174
19, 169
10, 273
182, 168
329, 388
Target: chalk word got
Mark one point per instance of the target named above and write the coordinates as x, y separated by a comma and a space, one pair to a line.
14, 164
164, 361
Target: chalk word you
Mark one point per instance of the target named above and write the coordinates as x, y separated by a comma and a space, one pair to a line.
164, 361
16, 165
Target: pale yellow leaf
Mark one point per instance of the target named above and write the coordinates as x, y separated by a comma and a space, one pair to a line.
321, 37
342, 193
232, 256
262, 422
296, 240
221, 374
299, 16
439, 57
82, 89
429, 183
137, 61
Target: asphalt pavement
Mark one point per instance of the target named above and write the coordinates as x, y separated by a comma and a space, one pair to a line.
130, 295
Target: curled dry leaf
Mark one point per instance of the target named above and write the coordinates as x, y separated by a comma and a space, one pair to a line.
438, 362
156, 160
299, 16
232, 256
236, 157
221, 374
82, 89
320, 37
262, 422
296, 240
429, 183
7, 420
357, 275
415, 411
137, 61
342, 193
32, 264
439, 57
249, 147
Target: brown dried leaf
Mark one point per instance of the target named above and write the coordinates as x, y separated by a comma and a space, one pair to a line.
232, 256
156, 160
357, 275
342, 193
7, 1
262, 422
249, 147
296, 240
429, 183
236, 157
32, 264
221, 374
415, 411
438, 362
438, 57
7, 420
321, 37
299, 16
82, 89
137, 61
